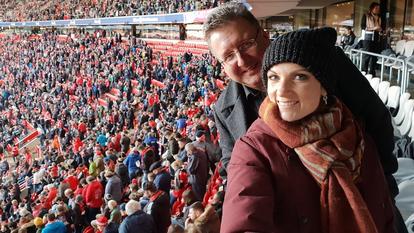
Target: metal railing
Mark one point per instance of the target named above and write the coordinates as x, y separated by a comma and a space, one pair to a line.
385, 61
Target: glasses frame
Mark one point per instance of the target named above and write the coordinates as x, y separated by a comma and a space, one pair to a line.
242, 48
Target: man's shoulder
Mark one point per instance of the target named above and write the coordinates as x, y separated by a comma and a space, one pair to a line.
229, 95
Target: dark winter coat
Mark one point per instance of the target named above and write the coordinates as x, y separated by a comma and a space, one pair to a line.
139, 222
159, 209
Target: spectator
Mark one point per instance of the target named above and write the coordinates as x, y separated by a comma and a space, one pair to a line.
162, 179
78, 214
92, 195
158, 207
197, 169
101, 223
348, 38
202, 219
301, 100
372, 27
131, 162
113, 186
237, 107
137, 221
53, 225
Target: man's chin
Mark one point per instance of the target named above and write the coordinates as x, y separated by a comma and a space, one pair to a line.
257, 86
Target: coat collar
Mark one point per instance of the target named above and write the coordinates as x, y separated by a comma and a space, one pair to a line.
231, 95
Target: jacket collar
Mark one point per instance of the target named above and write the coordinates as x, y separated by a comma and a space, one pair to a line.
232, 94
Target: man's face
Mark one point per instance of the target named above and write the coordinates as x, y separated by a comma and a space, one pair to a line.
229, 40
193, 214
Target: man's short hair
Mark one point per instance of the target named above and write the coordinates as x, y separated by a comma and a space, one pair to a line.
51, 217
149, 186
226, 13
197, 206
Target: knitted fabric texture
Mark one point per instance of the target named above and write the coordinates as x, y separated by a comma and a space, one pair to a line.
313, 49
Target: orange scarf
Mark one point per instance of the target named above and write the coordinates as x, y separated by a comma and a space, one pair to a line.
330, 145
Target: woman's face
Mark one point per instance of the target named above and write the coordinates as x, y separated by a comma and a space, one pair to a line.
294, 89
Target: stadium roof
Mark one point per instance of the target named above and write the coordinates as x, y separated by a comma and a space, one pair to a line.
267, 8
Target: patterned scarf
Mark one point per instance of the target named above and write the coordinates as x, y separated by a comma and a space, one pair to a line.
330, 145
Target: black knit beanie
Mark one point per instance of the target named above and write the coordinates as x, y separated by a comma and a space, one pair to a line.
313, 49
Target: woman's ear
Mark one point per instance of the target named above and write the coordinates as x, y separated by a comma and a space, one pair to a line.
323, 91
265, 34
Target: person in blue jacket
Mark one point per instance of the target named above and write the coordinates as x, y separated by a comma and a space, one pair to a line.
53, 225
131, 162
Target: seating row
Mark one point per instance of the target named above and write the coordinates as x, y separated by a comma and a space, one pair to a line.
399, 104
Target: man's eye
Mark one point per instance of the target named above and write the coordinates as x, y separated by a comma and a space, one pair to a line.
245, 46
229, 57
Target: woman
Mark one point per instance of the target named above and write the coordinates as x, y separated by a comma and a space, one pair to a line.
371, 29
306, 165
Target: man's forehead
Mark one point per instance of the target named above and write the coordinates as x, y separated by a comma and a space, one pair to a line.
229, 34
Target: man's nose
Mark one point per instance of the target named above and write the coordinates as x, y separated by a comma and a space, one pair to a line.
241, 59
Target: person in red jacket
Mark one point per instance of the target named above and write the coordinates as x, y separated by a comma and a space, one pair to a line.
71, 180
77, 145
82, 128
51, 195
93, 196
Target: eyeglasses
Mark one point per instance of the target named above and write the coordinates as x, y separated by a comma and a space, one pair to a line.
245, 47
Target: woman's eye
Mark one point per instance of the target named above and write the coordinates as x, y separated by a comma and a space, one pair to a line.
273, 77
301, 77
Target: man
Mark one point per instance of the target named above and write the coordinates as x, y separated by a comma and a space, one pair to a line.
212, 151
202, 219
236, 39
131, 162
54, 225
137, 221
237, 106
162, 178
113, 186
92, 194
158, 207
197, 169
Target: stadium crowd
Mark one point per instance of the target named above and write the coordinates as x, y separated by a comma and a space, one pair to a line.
119, 124
13, 11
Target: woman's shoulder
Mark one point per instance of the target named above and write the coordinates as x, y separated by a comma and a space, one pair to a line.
258, 144
259, 130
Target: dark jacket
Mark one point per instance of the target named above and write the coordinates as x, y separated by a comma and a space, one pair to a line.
269, 189
122, 171
233, 115
197, 169
114, 188
139, 222
159, 209
78, 220
356, 92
